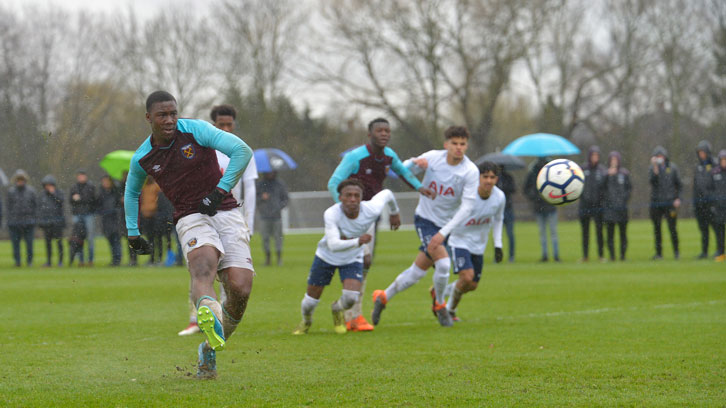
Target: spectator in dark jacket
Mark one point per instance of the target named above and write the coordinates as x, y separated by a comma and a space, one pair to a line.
109, 207
591, 202
544, 213
717, 194
83, 208
616, 194
665, 182
506, 184
701, 181
271, 199
22, 212
51, 218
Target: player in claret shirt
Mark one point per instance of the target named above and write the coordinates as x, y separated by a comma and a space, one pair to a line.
469, 240
180, 155
455, 179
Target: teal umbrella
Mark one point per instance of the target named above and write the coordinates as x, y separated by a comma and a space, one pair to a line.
541, 145
116, 163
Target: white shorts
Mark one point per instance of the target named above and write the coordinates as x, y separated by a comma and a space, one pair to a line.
226, 231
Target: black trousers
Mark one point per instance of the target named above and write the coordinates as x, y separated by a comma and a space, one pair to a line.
656, 215
704, 219
51, 233
585, 223
720, 229
610, 227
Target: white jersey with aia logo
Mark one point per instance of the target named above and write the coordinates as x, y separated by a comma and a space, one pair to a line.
473, 234
451, 183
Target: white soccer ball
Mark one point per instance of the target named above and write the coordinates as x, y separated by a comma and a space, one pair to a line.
560, 182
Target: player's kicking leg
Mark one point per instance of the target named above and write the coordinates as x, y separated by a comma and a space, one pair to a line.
468, 267
403, 281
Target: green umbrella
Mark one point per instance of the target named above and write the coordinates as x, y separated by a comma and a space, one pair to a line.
117, 162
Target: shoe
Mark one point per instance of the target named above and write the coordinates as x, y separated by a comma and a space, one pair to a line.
206, 363
443, 315
432, 291
453, 316
557, 259
657, 257
543, 259
379, 303
703, 255
676, 255
302, 328
720, 258
191, 329
511, 259
359, 324
603, 259
46, 265
583, 260
211, 327
338, 319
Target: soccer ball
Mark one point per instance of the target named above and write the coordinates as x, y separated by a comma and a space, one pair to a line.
560, 182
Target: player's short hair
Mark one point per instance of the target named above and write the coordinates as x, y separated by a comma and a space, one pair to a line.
488, 166
158, 96
456, 131
223, 110
377, 120
350, 182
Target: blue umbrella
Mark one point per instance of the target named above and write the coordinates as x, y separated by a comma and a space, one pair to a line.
390, 172
271, 159
540, 145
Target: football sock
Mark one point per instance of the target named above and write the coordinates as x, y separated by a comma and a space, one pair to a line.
192, 312
441, 278
229, 324
455, 298
307, 307
356, 311
449, 290
405, 280
347, 299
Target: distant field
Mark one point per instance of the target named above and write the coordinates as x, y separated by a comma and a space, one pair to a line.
639, 333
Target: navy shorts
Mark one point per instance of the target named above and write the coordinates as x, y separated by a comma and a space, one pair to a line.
321, 272
425, 230
463, 260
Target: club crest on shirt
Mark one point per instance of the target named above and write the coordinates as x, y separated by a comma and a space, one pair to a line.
192, 243
188, 151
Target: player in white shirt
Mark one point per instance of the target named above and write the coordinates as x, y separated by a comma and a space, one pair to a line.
455, 179
346, 226
469, 239
223, 117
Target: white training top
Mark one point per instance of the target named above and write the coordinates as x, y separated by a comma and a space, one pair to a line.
248, 178
340, 246
473, 234
455, 188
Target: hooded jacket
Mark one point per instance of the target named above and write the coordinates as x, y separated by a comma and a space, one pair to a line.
87, 203
616, 192
666, 185
22, 202
702, 174
539, 205
50, 206
717, 191
592, 194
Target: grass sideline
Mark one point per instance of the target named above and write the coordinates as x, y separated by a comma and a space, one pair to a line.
639, 333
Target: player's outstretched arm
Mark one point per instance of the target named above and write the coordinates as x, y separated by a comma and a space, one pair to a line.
381, 199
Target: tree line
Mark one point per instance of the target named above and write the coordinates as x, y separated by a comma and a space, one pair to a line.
307, 76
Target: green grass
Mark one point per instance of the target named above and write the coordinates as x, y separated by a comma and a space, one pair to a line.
638, 333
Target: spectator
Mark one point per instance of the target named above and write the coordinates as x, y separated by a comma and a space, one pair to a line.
83, 209
271, 199
617, 188
701, 181
51, 218
591, 202
665, 182
506, 184
148, 207
717, 192
109, 207
22, 207
544, 213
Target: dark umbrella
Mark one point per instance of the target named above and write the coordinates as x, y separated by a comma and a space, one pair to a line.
271, 159
507, 161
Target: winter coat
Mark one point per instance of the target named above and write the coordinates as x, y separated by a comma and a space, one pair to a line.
717, 194
506, 184
666, 185
271, 208
22, 206
50, 209
702, 174
539, 205
592, 194
616, 194
109, 207
87, 204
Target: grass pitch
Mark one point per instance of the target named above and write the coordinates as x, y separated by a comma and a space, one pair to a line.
638, 333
